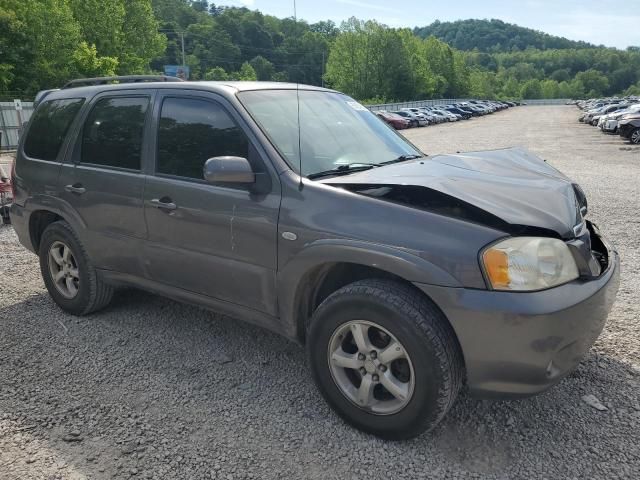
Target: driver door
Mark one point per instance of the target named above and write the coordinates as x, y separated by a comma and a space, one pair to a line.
214, 240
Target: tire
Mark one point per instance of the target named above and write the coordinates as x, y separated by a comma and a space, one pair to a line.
634, 137
432, 353
91, 293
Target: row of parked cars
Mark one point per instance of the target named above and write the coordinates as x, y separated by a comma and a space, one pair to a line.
432, 115
619, 116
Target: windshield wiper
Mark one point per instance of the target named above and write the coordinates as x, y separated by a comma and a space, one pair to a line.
401, 158
344, 170
359, 167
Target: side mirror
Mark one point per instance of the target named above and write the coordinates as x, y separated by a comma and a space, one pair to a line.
228, 170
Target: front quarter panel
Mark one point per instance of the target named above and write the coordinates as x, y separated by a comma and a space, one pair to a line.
320, 224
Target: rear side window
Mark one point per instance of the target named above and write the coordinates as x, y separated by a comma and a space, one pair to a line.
191, 131
112, 134
49, 126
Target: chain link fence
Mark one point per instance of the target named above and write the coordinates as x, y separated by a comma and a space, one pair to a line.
11, 121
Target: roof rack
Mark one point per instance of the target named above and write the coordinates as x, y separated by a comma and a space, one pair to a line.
83, 82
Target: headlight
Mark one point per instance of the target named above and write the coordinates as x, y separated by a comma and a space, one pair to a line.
528, 263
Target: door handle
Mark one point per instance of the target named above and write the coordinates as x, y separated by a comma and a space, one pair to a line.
76, 188
158, 203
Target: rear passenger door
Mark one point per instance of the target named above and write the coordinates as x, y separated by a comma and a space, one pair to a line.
103, 183
215, 240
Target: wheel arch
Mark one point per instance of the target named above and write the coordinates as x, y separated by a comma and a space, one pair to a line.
44, 210
39, 220
324, 268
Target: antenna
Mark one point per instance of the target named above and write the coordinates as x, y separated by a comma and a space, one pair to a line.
300, 185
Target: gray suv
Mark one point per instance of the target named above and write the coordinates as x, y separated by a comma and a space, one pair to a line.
296, 209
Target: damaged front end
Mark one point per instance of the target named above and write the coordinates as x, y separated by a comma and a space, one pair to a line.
508, 190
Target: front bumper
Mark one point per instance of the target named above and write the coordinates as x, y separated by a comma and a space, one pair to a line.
519, 344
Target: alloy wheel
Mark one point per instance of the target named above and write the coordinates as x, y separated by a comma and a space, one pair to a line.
371, 367
635, 136
64, 269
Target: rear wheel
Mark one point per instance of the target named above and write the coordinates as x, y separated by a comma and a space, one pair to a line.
384, 358
635, 136
68, 273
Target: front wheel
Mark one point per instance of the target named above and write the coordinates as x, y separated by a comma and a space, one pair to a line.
385, 358
635, 136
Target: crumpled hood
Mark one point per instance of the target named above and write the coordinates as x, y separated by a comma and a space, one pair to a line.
511, 184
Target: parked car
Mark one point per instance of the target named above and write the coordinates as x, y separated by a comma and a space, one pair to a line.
294, 208
475, 108
433, 117
629, 127
396, 121
593, 119
422, 113
450, 117
609, 123
417, 119
466, 115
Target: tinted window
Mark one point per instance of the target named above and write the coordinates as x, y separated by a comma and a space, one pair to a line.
192, 131
49, 126
112, 133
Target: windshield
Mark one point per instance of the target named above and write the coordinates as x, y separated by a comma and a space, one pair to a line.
335, 130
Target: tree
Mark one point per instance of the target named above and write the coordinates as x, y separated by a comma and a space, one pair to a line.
482, 84
86, 60
531, 89
123, 29
370, 60
246, 73
41, 47
550, 89
593, 81
264, 68
216, 73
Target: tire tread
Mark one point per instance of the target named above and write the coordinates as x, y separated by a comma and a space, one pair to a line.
430, 321
100, 293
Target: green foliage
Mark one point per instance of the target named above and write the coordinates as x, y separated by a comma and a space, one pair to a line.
531, 89
86, 60
263, 68
633, 89
494, 36
216, 73
246, 73
44, 43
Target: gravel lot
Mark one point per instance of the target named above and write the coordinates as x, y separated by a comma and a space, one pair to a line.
153, 389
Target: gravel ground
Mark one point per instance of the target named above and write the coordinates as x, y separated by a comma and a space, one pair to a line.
153, 389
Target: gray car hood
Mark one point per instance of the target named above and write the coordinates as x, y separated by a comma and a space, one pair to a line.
510, 189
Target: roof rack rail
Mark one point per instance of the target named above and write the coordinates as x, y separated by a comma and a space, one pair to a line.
83, 82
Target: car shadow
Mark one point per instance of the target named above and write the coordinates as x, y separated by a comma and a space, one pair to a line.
187, 381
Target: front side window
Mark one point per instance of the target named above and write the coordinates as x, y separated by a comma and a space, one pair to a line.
334, 130
191, 131
49, 127
112, 134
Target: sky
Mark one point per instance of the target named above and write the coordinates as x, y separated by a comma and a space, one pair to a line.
614, 23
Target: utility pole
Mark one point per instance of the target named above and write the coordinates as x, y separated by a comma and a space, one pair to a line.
322, 69
182, 38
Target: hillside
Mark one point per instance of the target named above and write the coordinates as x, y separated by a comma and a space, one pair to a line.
495, 36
